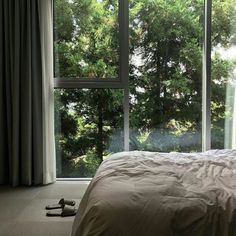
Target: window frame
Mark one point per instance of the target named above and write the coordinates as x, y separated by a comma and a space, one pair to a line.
206, 77
122, 82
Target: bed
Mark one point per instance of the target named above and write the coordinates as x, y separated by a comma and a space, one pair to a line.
161, 194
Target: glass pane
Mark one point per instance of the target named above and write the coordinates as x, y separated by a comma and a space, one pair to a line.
223, 102
86, 38
166, 75
88, 128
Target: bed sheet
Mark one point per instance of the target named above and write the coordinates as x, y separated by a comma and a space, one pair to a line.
161, 194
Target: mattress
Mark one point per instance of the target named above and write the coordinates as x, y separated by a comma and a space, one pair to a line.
161, 194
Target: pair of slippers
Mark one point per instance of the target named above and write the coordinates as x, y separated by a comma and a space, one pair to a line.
63, 208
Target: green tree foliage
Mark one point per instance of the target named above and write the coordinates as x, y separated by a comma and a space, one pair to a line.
87, 120
86, 38
166, 38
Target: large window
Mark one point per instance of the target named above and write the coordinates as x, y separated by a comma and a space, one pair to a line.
138, 76
166, 75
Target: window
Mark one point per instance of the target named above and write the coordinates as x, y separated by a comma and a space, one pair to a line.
154, 75
166, 75
90, 43
86, 39
223, 73
89, 127
91, 70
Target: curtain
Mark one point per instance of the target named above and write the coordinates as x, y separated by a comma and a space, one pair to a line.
46, 29
230, 99
230, 119
27, 153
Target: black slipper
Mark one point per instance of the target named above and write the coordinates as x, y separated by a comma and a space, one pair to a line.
60, 204
63, 212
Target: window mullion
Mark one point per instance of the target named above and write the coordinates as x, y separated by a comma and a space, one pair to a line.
124, 63
206, 79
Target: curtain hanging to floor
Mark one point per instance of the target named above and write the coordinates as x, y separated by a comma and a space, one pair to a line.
230, 99
27, 153
230, 119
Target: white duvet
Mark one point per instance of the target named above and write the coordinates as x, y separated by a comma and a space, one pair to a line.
161, 194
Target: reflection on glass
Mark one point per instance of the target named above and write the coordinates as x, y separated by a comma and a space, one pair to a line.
165, 75
223, 102
88, 128
86, 38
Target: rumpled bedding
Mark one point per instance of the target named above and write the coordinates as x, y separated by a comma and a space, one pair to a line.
161, 194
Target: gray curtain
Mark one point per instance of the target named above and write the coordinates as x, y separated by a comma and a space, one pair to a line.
21, 134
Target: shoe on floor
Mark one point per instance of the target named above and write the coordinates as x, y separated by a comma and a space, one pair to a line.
63, 212
60, 204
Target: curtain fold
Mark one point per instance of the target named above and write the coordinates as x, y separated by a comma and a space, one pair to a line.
230, 119
46, 31
23, 158
4, 170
